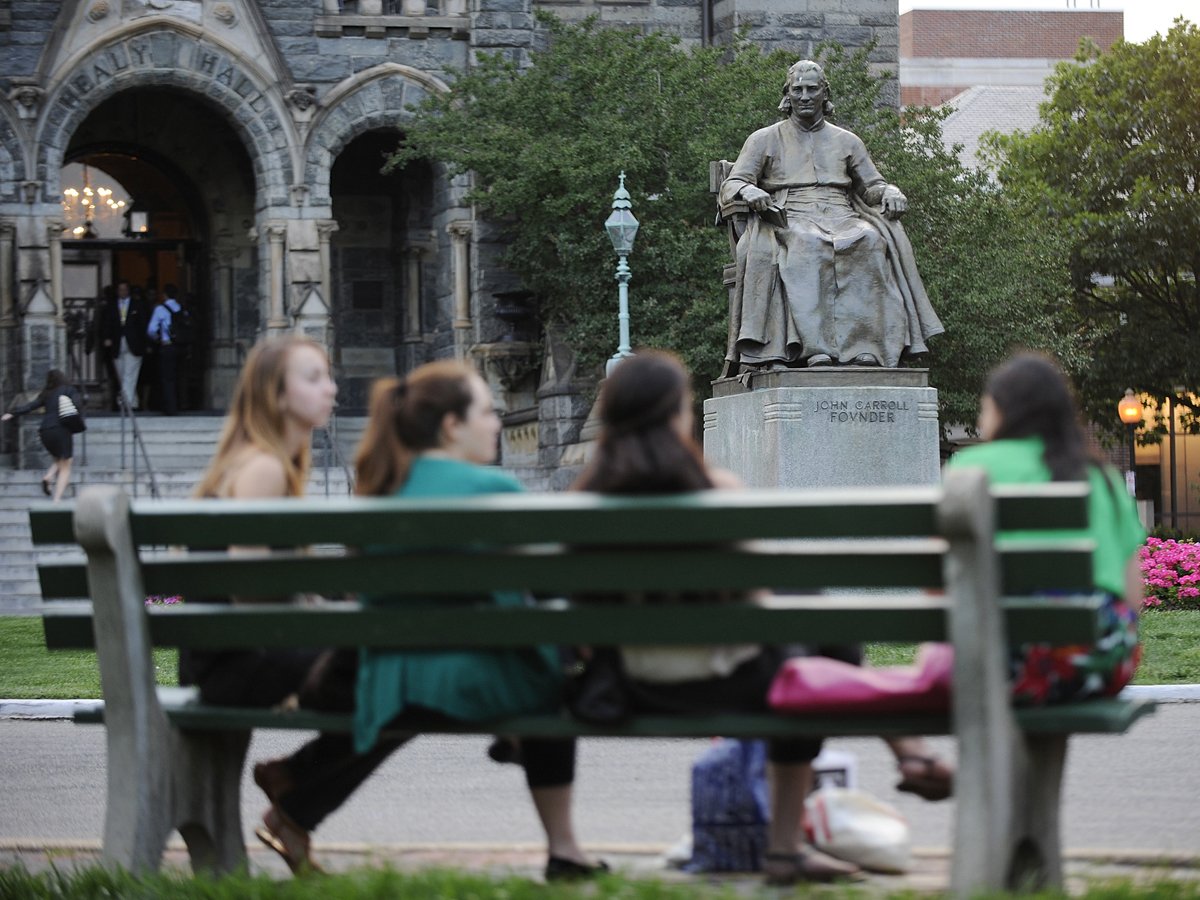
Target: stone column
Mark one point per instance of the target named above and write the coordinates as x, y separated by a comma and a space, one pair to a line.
325, 230
222, 373
276, 318
54, 232
460, 234
412, 294
8, 233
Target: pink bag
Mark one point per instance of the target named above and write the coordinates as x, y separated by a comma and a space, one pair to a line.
817, 684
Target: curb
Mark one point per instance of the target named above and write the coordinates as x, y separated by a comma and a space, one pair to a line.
66, 709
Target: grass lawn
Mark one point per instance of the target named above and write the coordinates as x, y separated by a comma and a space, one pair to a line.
29, 671
431, 884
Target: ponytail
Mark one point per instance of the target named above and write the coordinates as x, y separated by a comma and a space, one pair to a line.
406, 418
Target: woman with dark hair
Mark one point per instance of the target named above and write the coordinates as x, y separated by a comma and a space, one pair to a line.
646, 446
433, 434
1031, 426
54, 436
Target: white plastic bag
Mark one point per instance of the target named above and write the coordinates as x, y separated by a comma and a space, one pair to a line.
852, 825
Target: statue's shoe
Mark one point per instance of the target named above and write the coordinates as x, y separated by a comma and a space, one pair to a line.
864, 359
820, 359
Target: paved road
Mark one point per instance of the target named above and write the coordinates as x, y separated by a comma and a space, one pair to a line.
1136, 792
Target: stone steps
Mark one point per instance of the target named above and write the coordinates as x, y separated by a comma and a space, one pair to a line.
19, 590
177, 443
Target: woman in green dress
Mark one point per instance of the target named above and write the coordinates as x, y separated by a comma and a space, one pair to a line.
1032, 432
433, 434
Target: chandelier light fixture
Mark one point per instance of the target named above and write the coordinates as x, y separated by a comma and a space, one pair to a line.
82, 204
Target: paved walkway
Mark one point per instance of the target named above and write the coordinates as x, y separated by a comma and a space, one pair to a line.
441, 802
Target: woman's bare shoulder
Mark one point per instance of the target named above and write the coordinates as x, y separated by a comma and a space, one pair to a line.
257, 474
723, 479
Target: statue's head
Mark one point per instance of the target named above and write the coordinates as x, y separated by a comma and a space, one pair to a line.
808, 72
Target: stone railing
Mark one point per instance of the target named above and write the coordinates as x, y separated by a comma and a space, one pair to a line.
379, 18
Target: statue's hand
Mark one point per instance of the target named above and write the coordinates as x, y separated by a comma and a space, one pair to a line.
895, 204
756, 197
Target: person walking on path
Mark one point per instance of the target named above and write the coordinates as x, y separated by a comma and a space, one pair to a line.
54, 435
161, 332
432, 435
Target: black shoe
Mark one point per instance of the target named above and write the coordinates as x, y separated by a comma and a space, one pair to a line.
46, 486
559, 869
506, 750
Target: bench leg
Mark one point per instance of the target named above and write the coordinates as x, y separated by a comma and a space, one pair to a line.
1035, 863
137, 814
208, 786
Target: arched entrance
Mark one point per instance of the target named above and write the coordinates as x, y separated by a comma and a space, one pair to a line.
383, 263
191, 190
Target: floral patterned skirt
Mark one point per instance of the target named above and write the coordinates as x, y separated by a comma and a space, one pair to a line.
1044, 673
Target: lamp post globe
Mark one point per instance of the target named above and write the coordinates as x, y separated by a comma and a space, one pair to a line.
622, 228
1129, 408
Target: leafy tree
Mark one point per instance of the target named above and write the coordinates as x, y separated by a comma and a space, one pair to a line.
1114, 169
546, 142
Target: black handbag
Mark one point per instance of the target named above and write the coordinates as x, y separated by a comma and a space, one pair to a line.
69, 416
596, 691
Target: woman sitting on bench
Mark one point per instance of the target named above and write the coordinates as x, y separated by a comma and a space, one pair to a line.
646, 446
433, 434
1033, 433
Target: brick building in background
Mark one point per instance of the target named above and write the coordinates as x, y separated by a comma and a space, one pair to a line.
945, 51
991, 65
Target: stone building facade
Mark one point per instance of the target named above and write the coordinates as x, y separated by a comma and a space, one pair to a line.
248, 137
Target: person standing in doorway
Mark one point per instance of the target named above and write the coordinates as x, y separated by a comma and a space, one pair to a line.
123, 340
161, 332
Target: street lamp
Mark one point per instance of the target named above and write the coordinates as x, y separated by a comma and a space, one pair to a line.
1129, 408
622, 228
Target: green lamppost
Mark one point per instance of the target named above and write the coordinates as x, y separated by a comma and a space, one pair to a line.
622, 228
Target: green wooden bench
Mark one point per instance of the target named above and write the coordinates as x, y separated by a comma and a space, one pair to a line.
886, 554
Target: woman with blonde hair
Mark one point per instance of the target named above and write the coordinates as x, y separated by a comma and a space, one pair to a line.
285, 391
433, 434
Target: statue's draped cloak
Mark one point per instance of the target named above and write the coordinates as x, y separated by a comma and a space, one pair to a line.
841, 278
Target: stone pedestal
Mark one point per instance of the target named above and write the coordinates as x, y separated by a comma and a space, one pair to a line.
825, 427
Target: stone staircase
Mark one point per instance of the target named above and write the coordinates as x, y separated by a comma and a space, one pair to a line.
174, 444
179, 449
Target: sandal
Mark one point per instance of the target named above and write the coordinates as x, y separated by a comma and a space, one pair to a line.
559, 868
809, 864
273, 778
935, 781
300, 862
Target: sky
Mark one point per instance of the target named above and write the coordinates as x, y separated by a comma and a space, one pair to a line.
1143, 18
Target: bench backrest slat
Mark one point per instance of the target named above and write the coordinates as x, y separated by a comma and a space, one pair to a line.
791, 566
826, 619
569, 518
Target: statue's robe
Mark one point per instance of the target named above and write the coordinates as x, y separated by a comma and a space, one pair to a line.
840, 279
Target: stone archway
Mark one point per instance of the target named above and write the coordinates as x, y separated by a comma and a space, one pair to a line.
373, 100
173, 58
12, 158
397, 274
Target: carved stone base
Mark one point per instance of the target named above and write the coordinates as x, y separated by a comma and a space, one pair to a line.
828, 427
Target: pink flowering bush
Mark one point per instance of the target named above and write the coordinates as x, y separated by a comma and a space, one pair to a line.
159, 600
1171, 571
